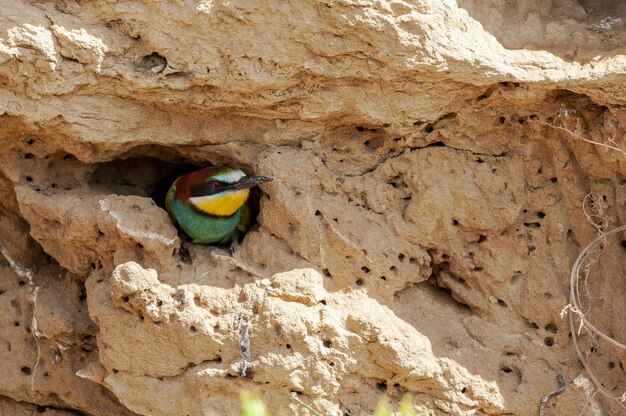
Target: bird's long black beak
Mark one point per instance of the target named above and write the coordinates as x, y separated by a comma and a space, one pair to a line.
250, 181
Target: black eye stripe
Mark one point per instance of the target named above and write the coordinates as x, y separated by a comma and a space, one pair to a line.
206, 188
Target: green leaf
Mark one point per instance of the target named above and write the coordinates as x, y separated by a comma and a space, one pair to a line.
251, 405
406, 406
383, 408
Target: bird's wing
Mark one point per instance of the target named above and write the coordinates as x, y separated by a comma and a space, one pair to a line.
244, 221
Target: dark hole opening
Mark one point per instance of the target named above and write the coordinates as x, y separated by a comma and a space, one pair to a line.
150, 172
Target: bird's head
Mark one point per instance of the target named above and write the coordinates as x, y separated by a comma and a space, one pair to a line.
218, 191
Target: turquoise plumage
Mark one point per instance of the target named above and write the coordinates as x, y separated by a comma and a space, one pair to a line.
211, 205
205, 229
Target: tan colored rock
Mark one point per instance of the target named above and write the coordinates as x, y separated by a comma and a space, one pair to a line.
12, 407
46, 337
278, 325
431, 160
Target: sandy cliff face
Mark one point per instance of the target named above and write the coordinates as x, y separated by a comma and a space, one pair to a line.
419, 236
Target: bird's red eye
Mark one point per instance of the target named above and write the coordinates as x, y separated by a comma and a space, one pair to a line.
215, 184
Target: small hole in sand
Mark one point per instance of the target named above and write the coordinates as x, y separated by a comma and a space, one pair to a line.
551, 328
375, 143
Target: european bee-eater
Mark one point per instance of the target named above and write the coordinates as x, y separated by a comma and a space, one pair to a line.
211, 205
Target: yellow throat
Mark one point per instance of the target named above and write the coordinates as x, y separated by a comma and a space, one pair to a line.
223, 204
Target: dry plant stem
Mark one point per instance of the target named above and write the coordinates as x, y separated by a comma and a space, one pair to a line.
589, 399
301, 403
575, 310
577, 136
575, 301
544, 399
28, 274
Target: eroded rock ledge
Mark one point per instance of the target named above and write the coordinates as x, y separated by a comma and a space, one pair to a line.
418, 237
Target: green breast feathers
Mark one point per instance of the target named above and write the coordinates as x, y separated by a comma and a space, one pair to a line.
211, 205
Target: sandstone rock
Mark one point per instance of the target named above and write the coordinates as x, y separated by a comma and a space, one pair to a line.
434, 177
